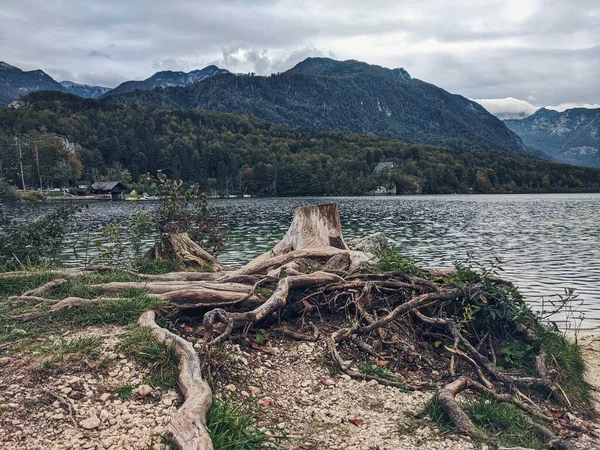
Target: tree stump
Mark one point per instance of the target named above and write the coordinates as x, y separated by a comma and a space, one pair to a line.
313, 227
179, 247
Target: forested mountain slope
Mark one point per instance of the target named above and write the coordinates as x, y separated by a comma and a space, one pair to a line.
238, 153
322, 93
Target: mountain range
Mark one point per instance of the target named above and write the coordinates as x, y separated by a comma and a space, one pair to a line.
571, 136
325, 94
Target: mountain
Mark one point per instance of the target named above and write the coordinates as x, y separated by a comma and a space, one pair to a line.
168, 78
84, 90
322, 93
571, 136
15, 82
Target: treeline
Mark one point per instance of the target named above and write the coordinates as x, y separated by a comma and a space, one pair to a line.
90, 140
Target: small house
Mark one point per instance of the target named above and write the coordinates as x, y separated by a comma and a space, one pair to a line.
113, 188
383, 166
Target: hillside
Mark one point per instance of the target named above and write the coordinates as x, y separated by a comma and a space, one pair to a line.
572, 136
234, 153
321, 93
167, 78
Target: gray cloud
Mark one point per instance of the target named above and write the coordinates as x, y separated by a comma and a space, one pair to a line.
97, 54
544, 51
171, 64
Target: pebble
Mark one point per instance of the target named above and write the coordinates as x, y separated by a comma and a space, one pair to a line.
144, 390
90, 423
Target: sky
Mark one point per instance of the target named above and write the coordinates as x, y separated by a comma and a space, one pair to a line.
542, 52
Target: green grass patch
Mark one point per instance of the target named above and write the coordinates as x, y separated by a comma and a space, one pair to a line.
503, 424
373, 370
498, 424
81, 286
84, 347
118, 312
16, 285
124, 391
155, 267
157, 356
565, 357
235, 426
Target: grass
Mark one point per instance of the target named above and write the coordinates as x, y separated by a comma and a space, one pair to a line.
158, 357
124, 391
122, 312
84, 348
118, 312
565, 357
16, 285
368, 368
155, 267
236, 427
80, 286
504, 424
498, 424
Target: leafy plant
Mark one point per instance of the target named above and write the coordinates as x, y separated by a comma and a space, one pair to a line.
391, 259
260, 336
185, 210
112, 250
26, 245
140, 226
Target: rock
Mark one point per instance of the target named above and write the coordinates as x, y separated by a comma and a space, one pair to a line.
144, 390
90, 423
104, 397
230, 388
305, 348
66, 390
374, 244
327, 381
254, 390
104, 416
265, 401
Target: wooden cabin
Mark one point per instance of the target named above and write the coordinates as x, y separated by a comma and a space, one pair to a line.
113, 188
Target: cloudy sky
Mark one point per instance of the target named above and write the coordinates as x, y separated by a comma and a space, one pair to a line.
544, 52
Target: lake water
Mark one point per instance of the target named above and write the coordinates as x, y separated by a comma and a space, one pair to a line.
547, 242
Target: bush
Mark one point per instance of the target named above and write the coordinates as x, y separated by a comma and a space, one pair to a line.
41, 241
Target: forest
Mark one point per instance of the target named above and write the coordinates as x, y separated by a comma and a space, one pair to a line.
66, 140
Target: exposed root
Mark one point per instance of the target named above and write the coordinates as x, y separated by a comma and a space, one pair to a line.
188, 426
45, 287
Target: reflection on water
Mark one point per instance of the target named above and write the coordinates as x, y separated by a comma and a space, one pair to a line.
547, 242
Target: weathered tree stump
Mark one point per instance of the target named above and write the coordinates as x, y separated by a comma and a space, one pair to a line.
179, 247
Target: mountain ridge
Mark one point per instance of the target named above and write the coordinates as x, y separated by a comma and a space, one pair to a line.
571, 136
325, 94
167, 78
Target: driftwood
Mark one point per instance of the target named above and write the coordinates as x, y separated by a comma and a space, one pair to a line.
188, 426
312, 269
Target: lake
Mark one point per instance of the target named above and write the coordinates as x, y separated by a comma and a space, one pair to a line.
547, 242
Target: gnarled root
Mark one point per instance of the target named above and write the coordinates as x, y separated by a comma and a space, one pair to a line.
188, 426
